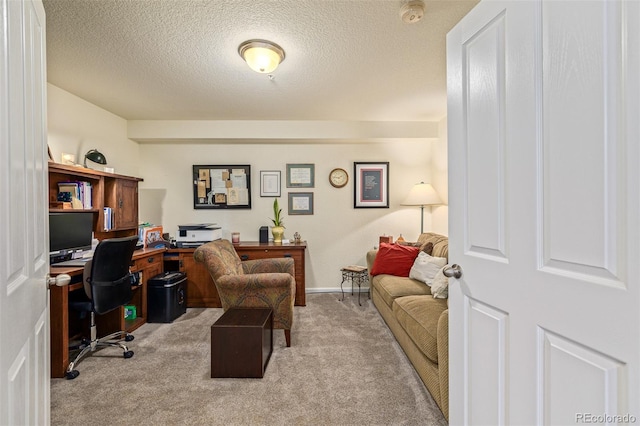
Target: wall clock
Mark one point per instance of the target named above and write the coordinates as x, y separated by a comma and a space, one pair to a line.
338, 177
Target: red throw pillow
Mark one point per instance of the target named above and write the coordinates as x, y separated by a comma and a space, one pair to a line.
394, 259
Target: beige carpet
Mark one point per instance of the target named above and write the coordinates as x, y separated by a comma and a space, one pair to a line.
344, 368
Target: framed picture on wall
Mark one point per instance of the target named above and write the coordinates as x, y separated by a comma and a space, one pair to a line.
371, 185
269, 183
221, 186
300, 203
300, 175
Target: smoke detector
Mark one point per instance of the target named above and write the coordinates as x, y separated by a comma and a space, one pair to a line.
412, 11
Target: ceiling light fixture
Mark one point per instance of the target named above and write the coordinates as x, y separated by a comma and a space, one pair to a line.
262, 56
412, 11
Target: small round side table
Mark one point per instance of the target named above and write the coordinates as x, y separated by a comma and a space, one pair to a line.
357, 275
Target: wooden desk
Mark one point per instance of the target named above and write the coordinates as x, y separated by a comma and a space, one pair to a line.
146, 261
201, 291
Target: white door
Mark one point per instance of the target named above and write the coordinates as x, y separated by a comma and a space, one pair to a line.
544, 188
24, 257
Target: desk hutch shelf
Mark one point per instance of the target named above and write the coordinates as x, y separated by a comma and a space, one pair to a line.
108, 190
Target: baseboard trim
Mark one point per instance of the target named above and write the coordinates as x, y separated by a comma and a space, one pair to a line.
336, 290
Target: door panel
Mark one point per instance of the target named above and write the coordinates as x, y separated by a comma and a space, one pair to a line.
484, 88
24, 259
574, 377
544, 212
487, 359
583, 178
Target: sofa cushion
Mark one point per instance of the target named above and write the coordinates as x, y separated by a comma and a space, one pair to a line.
390, 287
427, 247
394, 259
418, 316
426, 267
440, 243
440, 285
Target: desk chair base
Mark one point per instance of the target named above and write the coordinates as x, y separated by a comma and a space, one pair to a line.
113, 339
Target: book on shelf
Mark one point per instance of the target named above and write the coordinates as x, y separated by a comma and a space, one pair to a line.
80, 191
108, 218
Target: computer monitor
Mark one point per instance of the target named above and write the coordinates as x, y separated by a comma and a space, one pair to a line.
69, 233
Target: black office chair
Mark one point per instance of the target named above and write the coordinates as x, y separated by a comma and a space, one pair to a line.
107, 284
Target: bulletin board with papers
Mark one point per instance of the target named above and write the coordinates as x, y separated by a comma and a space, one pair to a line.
222, 187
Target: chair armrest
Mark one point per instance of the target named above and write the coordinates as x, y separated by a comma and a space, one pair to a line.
263, 266
246, 282
273, 290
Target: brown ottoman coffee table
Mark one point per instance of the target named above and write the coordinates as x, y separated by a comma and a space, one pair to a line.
242, 343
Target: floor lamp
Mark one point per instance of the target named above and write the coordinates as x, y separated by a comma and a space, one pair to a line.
422, 194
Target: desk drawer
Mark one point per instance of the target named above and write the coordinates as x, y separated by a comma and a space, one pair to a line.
255, 254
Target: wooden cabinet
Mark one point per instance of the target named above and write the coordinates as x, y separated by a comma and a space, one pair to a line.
148, 263
107, 190
202, 292
122, 196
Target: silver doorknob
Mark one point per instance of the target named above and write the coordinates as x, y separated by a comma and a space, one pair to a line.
453, 271
59, 280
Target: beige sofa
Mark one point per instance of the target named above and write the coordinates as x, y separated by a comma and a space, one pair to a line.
419, 322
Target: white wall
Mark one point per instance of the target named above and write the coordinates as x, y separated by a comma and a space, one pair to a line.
337, 234
440, 180
75, 126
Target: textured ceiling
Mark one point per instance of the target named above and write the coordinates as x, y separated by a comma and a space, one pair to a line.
177, 59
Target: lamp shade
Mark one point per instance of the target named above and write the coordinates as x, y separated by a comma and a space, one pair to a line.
261, 55
422, 194
95, 156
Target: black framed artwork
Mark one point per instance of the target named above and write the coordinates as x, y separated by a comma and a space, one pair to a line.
221, 186
371, 184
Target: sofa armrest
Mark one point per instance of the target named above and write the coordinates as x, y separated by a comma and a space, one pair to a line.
443, 360
371, 256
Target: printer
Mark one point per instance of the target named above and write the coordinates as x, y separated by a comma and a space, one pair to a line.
196, 234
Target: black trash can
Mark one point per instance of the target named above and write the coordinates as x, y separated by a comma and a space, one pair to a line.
166, 296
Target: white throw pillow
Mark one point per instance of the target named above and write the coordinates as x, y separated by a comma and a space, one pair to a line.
426, 267
440, 285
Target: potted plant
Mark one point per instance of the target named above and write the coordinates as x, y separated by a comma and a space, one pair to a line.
278, 225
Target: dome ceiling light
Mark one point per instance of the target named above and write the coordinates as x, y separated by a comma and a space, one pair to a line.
412, 11
262, 56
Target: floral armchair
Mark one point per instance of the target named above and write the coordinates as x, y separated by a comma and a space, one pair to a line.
260, 283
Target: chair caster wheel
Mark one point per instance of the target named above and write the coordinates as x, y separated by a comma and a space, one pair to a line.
128, 354
129, 337
70, 375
